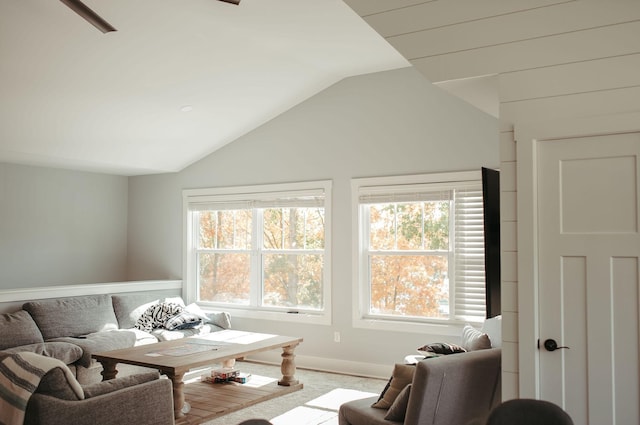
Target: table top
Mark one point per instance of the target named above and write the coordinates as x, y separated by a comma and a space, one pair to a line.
180, 355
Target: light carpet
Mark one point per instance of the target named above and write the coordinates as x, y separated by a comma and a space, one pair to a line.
315, 404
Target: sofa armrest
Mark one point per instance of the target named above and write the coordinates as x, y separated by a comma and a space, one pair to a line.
147, 403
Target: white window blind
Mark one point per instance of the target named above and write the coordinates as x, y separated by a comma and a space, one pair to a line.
469, 254
311, 198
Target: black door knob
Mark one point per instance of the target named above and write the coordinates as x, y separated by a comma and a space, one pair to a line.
552, 345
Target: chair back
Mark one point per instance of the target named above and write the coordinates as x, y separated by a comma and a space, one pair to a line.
455, 389
528, 412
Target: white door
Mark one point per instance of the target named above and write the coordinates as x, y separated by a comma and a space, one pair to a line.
588, 276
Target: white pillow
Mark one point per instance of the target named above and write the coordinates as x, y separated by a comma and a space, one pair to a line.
493, 328
220, 318
473, 339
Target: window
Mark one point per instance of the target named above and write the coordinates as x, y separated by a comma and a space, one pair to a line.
260, 249
420, 250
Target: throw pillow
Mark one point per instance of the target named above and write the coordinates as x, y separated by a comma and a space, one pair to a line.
493, 328
398, 409
56, 383
401, 377
156, 316
183, 320
473, 339
440, 348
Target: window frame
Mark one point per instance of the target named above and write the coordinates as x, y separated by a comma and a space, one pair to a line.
254, 310
361, 289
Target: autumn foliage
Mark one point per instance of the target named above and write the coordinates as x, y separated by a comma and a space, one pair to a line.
290, 250
408, 257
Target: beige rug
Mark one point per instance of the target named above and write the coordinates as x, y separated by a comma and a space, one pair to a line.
316, 404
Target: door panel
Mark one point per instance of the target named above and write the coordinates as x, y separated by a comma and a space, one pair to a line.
588, 296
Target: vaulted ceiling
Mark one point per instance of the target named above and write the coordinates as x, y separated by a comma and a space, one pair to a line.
175, 82
180, 79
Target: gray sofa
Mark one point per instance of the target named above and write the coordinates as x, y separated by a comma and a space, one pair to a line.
456, 389
72, 329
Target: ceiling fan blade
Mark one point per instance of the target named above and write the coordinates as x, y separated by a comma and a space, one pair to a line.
89, 15
236, 2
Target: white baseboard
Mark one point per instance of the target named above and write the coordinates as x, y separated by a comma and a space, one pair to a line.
347, 367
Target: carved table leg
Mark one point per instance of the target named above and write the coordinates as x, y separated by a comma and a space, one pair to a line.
109, 370
288, 366
178, 394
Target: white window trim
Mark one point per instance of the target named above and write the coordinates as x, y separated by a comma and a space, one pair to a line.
323, 317
360, 287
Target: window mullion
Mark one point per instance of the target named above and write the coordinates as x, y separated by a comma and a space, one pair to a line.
257, 250
452, 260
365, 266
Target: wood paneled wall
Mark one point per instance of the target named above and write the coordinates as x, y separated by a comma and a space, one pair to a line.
554, 59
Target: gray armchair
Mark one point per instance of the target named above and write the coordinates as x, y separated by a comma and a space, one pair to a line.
450, 390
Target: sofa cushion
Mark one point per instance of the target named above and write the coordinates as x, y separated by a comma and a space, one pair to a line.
100, 341
129, 307
359, 412
75, 316
166, 335
401, 377
473, 339
111, 385
64, 351
17, 329
220, 319
141, 337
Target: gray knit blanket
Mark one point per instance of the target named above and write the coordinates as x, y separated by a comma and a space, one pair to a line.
20, 375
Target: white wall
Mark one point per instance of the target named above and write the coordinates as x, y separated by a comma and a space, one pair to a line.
388, 123
61, 227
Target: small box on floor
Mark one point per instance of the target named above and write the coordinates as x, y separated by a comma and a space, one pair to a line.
242, 378
225, 373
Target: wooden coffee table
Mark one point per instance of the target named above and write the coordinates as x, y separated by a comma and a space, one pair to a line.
177, 357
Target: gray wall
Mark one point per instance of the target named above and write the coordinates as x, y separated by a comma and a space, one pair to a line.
61, 227
388, 123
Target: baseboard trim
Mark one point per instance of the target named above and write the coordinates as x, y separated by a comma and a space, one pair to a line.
324, 364
27, 294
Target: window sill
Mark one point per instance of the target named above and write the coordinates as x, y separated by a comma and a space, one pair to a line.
450, 329
279, 316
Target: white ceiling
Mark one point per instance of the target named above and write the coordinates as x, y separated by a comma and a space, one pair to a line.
73, 97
